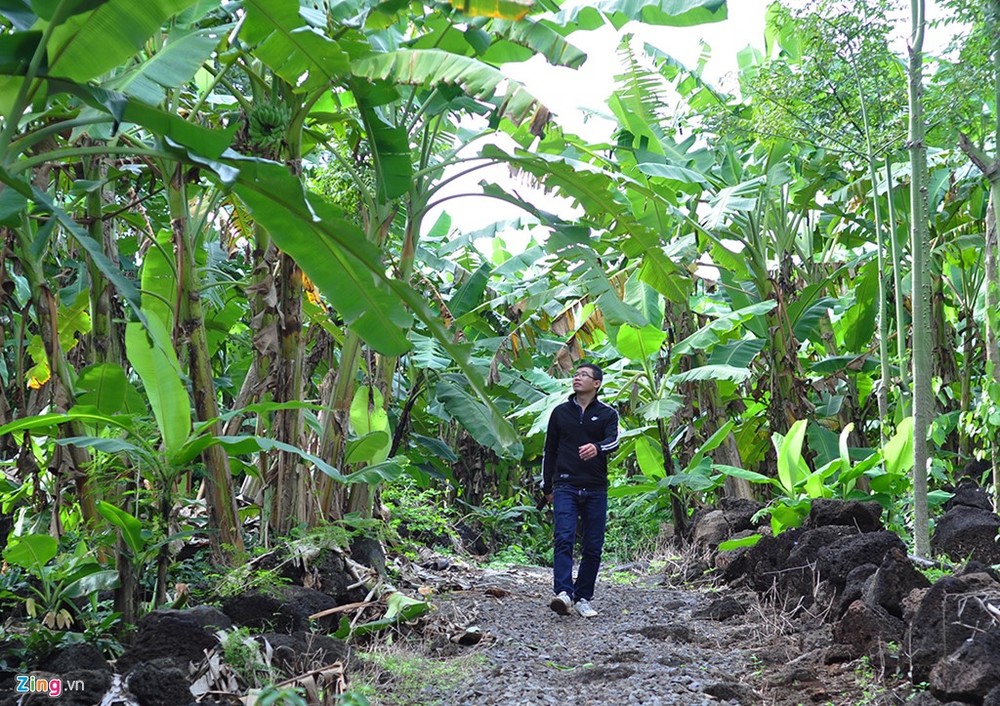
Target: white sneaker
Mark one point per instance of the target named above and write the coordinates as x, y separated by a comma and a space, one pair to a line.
584, 610
561, 603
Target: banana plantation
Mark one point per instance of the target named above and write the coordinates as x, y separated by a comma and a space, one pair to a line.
238, 317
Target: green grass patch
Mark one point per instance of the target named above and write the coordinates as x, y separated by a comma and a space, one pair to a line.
400, 677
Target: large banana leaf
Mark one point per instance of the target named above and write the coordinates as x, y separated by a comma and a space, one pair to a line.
173, 66
530, 38
287, 44
505, 9
90, 44
333, 252
433, 67
390, 144
673, 13
475, 416
152, 356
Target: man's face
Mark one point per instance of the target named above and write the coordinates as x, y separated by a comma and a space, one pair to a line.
584, 381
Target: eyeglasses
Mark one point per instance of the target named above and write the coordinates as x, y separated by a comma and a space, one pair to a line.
583, 375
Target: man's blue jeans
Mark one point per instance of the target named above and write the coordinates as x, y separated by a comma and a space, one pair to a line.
590, 507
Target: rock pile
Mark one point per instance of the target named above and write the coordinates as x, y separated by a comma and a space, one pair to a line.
175, 656
844, 569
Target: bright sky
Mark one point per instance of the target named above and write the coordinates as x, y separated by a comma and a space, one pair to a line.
578, 98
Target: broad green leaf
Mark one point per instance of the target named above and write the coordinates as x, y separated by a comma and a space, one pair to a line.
730, 200
366, 448
103, 387
159, 279
389, 145
482, 423
368, 415
710, 334
792, 468
639, 343
738, 354
16, 50
751, 476
92, 43
129, 524
31, 551
48, 421
251, 444
663, 408
383, 472
671, 13
12, 205
19, 12
538, 38
788, 516
712, 372
92, 583
470, 294
173, 66
859, 320
433, 67
650, 458
98, 443
898, 451
297, 52
625, 491
731, 544
333, 253
152, 356
814, 485
501, 9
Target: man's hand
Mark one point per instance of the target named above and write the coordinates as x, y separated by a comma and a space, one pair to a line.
588, 451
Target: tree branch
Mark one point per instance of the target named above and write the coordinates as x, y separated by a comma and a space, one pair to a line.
990, 169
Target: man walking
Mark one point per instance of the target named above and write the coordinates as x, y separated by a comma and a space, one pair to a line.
582, 432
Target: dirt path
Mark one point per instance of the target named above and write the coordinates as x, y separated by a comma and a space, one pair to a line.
651, 644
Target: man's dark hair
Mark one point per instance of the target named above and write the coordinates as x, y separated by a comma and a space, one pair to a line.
596, 370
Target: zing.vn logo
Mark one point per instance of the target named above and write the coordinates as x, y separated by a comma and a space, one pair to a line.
30, 684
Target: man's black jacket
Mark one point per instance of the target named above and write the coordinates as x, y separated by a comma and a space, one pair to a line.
570, 427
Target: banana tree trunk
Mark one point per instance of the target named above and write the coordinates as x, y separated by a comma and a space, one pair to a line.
923, 396
221, 499
105, 335
46, 306
287, 479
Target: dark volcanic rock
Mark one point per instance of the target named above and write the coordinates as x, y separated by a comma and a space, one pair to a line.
733, 692
993, 697
709, 529
75, 657
802, 566
721, 609
947, 616
865, 517
853, 588
286, 610
868, 628
179, 635
739, 513
159, 684
369, 552
301, 651
967, 532
787, 560
835, 561
969, 494
970, 672
893, 582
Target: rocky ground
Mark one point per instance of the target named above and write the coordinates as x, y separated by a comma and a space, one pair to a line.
657, 640
832, 612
